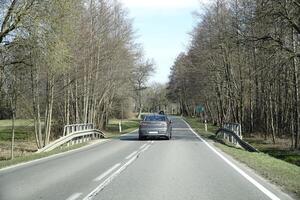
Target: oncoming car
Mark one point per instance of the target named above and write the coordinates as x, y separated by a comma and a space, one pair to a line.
159, 126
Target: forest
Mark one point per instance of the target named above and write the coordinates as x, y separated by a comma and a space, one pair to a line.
242, 66
68, 62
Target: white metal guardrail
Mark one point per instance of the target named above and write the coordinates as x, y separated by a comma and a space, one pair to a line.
236, 128
74, 134
76, 127
232, 132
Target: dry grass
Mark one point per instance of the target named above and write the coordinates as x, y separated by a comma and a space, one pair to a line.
22, 148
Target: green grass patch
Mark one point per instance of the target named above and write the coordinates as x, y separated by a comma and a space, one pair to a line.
18, 122
23, 130
199, 127
5, 135
18, 160
128, 125
279, 150
282, 173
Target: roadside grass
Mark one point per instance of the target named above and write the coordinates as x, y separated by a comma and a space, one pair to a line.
280, 150
23, 129
24, 138
128, 125
198, 126
281, 173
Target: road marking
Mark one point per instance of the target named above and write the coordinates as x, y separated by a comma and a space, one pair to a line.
143, 146
74, 196
240, 171
132, 154
146, 147
99, 178
109, 179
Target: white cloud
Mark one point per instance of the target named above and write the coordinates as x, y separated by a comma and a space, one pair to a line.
162, 4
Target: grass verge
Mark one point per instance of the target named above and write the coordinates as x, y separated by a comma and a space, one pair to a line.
128, 125
281, 173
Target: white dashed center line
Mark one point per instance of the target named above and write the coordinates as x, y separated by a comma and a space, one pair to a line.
74, 196
99, 178
132, 154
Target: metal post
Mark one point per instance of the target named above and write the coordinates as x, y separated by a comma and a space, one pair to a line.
120, 127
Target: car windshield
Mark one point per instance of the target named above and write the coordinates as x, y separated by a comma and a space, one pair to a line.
155, 118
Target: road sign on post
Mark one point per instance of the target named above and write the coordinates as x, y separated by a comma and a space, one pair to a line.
199, 109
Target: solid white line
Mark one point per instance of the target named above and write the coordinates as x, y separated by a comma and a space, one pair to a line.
240, 171
74, 196
143, 146
108, 180
99, 178
132, 154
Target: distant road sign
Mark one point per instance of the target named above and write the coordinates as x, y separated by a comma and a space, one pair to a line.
199, 109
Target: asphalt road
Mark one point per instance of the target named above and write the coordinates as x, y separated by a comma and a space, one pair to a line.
184, 168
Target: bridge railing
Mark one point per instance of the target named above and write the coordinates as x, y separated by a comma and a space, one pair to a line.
234, 127
232, 132
74, 134
77, 127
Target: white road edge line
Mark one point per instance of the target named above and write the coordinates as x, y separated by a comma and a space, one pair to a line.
99, 178
109, 179
240, 171
74, 196
130, 155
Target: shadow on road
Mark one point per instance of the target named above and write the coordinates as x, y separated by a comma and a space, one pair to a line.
135, 138
177, 135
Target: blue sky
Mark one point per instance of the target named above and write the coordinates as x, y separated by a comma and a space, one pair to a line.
163, 27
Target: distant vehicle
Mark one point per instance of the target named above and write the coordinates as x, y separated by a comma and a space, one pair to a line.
161, 112
159, 126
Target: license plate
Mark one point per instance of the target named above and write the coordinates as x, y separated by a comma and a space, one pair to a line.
153, 132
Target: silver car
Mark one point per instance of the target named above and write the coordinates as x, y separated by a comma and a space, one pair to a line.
155, 126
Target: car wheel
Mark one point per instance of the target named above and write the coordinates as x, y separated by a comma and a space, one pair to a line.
141, 137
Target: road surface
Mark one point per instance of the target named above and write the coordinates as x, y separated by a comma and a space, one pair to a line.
184, 168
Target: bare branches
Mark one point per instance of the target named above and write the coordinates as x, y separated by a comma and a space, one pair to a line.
241, 57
